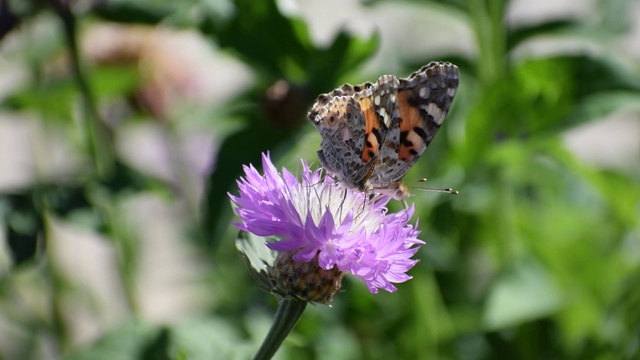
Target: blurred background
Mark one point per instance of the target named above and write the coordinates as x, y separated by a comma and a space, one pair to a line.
123, 125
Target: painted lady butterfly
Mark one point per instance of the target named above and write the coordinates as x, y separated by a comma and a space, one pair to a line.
373, 133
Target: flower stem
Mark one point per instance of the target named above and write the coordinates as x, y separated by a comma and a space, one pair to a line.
288, 314
489, 26
99, 137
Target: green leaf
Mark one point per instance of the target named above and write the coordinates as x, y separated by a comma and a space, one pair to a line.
346, 52
523, 33
600, 105
263, 37
258, 258
208, 338
125, 343
114, 81
525, 292
54, 99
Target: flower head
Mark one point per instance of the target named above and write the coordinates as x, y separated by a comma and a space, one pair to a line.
315, 220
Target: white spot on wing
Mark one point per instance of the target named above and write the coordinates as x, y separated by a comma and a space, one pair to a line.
385, 116
436, 112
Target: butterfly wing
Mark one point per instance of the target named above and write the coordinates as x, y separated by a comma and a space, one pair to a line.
341, 124
352, 128
423, 101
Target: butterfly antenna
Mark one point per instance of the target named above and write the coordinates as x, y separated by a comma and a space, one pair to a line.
446, 190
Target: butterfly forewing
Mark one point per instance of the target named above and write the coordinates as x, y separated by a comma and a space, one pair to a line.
423, 101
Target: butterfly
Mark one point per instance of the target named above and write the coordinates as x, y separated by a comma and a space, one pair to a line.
373, 133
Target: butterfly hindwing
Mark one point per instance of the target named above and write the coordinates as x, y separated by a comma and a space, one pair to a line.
341, 123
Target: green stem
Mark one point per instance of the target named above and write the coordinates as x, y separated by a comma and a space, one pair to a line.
288, 314
98, 135
490, 30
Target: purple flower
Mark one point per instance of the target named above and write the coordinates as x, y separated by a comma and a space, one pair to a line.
314, 219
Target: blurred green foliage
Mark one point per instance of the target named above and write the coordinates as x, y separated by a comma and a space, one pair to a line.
538, 257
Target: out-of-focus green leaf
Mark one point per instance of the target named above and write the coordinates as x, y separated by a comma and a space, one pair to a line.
286, 50
600, 105
616, 15
626, 312
209, 338
619, 192
112, 81
522, 34
126, 343
594, 74
523, 293
257, 256
23, 226
134, 12
458, 4
262, 36
536, 100
186, 13
55, 100
344, 54
157, 348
